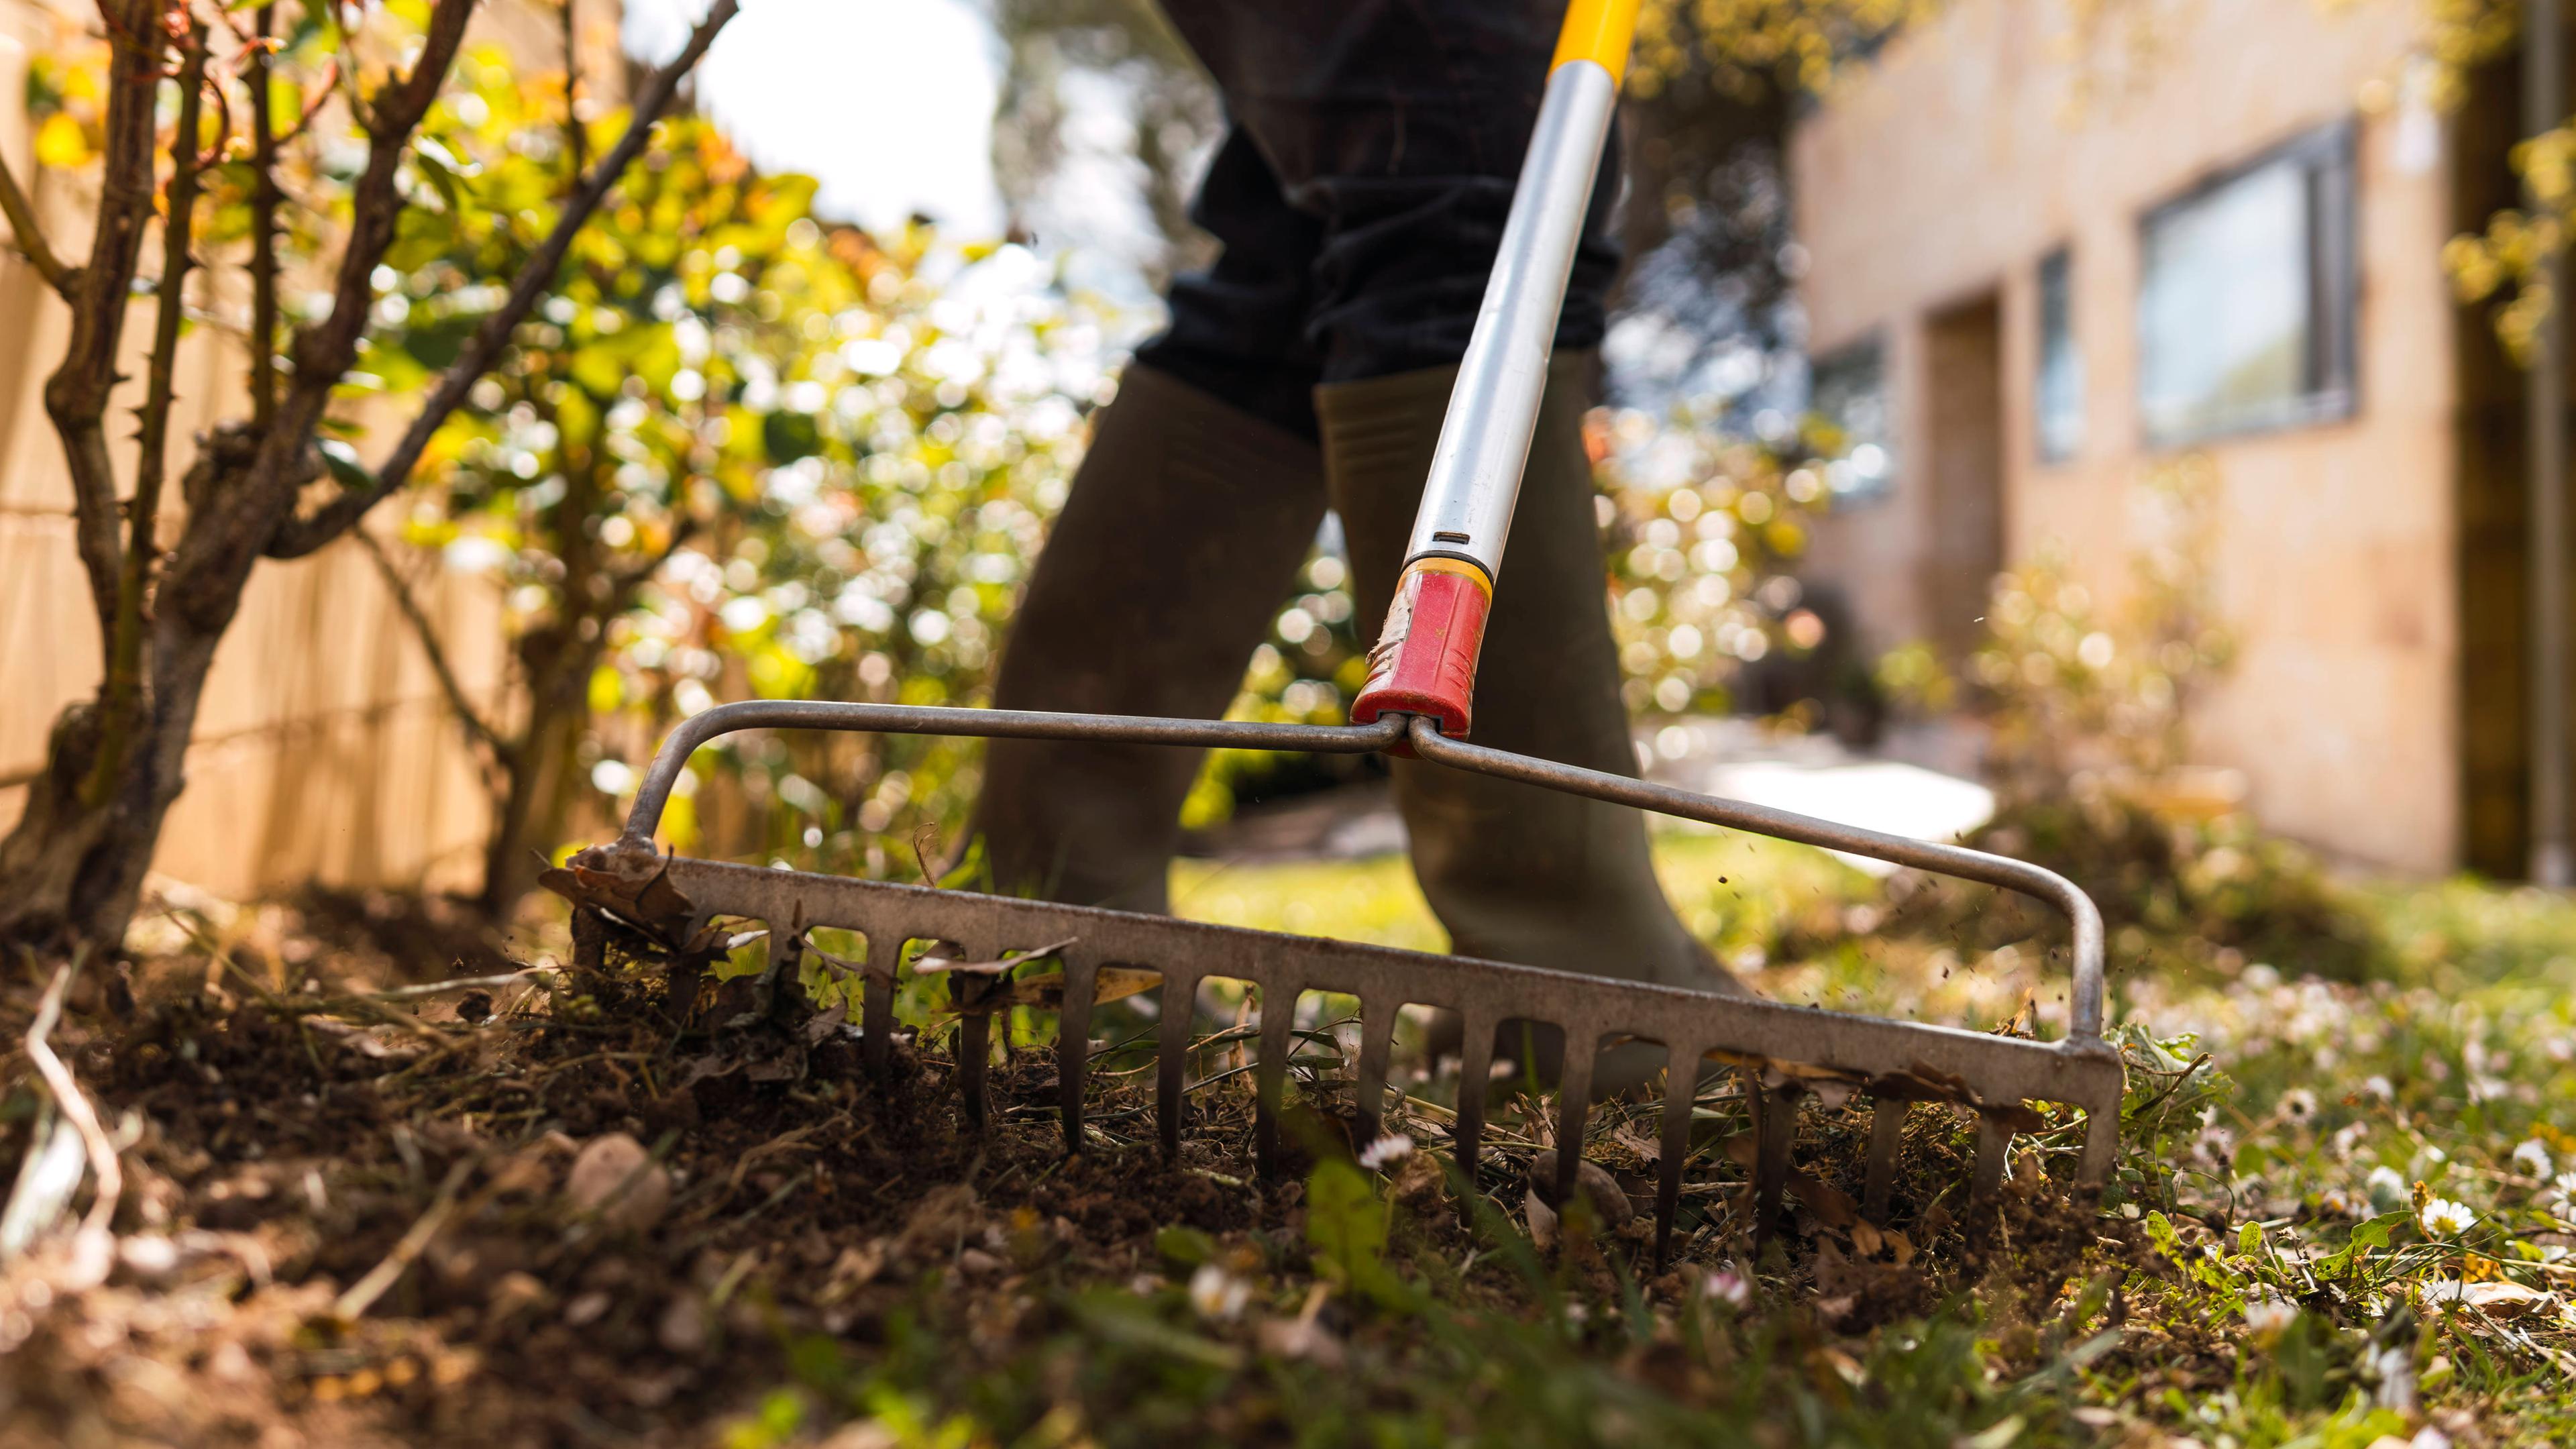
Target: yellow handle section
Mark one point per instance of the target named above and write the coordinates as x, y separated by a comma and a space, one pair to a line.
1598, 31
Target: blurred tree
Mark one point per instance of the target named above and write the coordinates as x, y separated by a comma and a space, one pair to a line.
247, 137
733, 455
1100, 96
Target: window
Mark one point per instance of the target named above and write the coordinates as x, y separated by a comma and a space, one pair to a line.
1850, 392
2059, 396
2245, 313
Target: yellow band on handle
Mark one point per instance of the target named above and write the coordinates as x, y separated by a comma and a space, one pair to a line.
1598, 31
1458, 566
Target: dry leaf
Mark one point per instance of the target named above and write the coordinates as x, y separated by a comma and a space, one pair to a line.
1542, 1222
929, 965
1828, 1203
1045, 990
1865, 1239
925, 849
1609, 1201
2496, 1299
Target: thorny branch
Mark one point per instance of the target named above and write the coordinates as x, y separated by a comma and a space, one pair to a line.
124, 687
76, 396
263, 228
301, 536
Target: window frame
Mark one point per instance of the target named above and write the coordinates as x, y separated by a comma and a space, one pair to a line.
2330, 385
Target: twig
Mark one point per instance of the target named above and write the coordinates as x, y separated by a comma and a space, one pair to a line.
386, 1274
94, 1246
30, 238
477, 729
300, 536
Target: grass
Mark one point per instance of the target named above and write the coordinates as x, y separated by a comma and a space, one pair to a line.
2346, 1225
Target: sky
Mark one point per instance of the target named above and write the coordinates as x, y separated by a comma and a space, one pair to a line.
888, 102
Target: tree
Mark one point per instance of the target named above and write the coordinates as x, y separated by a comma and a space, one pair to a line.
209, 112
734, 453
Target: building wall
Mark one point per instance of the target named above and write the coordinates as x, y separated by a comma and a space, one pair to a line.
1946, 169
325, 751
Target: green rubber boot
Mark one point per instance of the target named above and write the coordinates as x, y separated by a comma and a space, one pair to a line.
1180, 540
1515, 872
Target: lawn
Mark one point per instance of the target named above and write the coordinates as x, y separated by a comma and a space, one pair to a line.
535, 1213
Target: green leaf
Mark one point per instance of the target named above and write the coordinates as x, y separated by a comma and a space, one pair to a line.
1346, 1226
342, 462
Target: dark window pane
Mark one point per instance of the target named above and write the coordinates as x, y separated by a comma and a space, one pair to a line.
1850, 392
2244, 310
2059, 396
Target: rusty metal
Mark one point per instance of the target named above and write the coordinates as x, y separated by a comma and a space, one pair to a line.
1785, 1052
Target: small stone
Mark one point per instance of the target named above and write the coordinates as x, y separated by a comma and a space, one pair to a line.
1609, 1200
148, 1256
585, 1310
976, 1263
683, 1326
617, 1179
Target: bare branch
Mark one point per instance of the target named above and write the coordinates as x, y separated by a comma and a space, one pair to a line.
477, 730
76, 395
300, 536
216, 555
576, 134
28, 237
94, 1247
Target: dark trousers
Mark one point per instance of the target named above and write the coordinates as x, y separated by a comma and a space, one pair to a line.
1360, 192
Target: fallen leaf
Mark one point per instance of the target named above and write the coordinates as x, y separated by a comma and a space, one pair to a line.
1542, 1221
2497, 1299
1045, 990
1829, 1204
1609, 1201
929, 965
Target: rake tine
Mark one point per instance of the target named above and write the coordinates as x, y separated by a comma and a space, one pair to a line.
1270, 1074
1775, 1124
1681, 1085
1172, 1054
876, 1009
1073, 1046
1573, 1103
1377, 1033
974, 1050
1994, 1145
1886, 1134
2101, 1142
786, 961
1475, 1074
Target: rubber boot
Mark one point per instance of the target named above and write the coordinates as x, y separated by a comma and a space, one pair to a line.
1515, 872
1182, 534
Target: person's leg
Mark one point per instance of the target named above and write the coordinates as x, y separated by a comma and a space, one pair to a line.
1401, 127
1515, 872
1196, 503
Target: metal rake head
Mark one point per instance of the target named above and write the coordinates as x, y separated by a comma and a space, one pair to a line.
1785, 1053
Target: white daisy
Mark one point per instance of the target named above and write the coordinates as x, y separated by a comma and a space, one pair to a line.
2442, 1218
1218, 1294
2534, 1155
1386, 1151
2269, 1316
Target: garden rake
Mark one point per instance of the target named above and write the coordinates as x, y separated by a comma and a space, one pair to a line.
1416, 701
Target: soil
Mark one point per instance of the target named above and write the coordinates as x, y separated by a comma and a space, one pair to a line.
546, 1212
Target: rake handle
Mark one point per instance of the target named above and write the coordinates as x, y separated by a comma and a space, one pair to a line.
2037, 882
1424, 663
